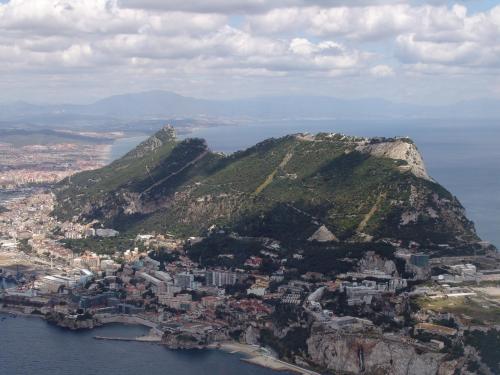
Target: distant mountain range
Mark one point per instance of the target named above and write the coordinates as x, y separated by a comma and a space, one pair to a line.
167, 105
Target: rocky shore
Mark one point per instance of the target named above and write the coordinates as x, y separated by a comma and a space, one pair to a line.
252, 354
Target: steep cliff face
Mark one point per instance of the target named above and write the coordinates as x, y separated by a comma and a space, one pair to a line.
326, 188
74, 323
397, 149
359, 353
373, 262
192, 340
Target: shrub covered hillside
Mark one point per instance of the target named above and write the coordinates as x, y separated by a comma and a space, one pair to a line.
327, 188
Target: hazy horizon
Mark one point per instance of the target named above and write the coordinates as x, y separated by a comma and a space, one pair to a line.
167, 105
75, 102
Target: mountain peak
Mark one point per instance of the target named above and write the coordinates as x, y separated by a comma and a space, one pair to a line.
166, 133
326, 187
163, 136
397, 149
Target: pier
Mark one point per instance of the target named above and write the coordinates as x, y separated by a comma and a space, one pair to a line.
149, 338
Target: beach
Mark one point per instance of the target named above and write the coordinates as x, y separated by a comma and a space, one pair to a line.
257, 356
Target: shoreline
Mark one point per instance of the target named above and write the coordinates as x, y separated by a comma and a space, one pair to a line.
19, 314
255, 356
249, 353
112, 153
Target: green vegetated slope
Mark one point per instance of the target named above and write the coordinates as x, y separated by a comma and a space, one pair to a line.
284, 188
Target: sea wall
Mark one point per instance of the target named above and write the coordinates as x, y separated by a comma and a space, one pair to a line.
124, 319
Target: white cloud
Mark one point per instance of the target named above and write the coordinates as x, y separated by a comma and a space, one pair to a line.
421, 34
412, 50
86, 33
242, 6
302, 42
453, 38
302, 46
362, 23
357, 23
382, 71
87, 17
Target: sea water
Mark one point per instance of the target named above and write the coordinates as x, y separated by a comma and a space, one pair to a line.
32, 346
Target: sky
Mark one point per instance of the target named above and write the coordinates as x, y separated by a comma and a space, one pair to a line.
413, 51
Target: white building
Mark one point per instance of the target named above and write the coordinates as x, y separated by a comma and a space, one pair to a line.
259, 291
220, 278
52, 284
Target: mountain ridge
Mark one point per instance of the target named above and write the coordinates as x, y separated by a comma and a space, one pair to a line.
289, 188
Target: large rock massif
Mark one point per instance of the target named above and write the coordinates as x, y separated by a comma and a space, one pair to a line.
324, 187
359, 353
323, 204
